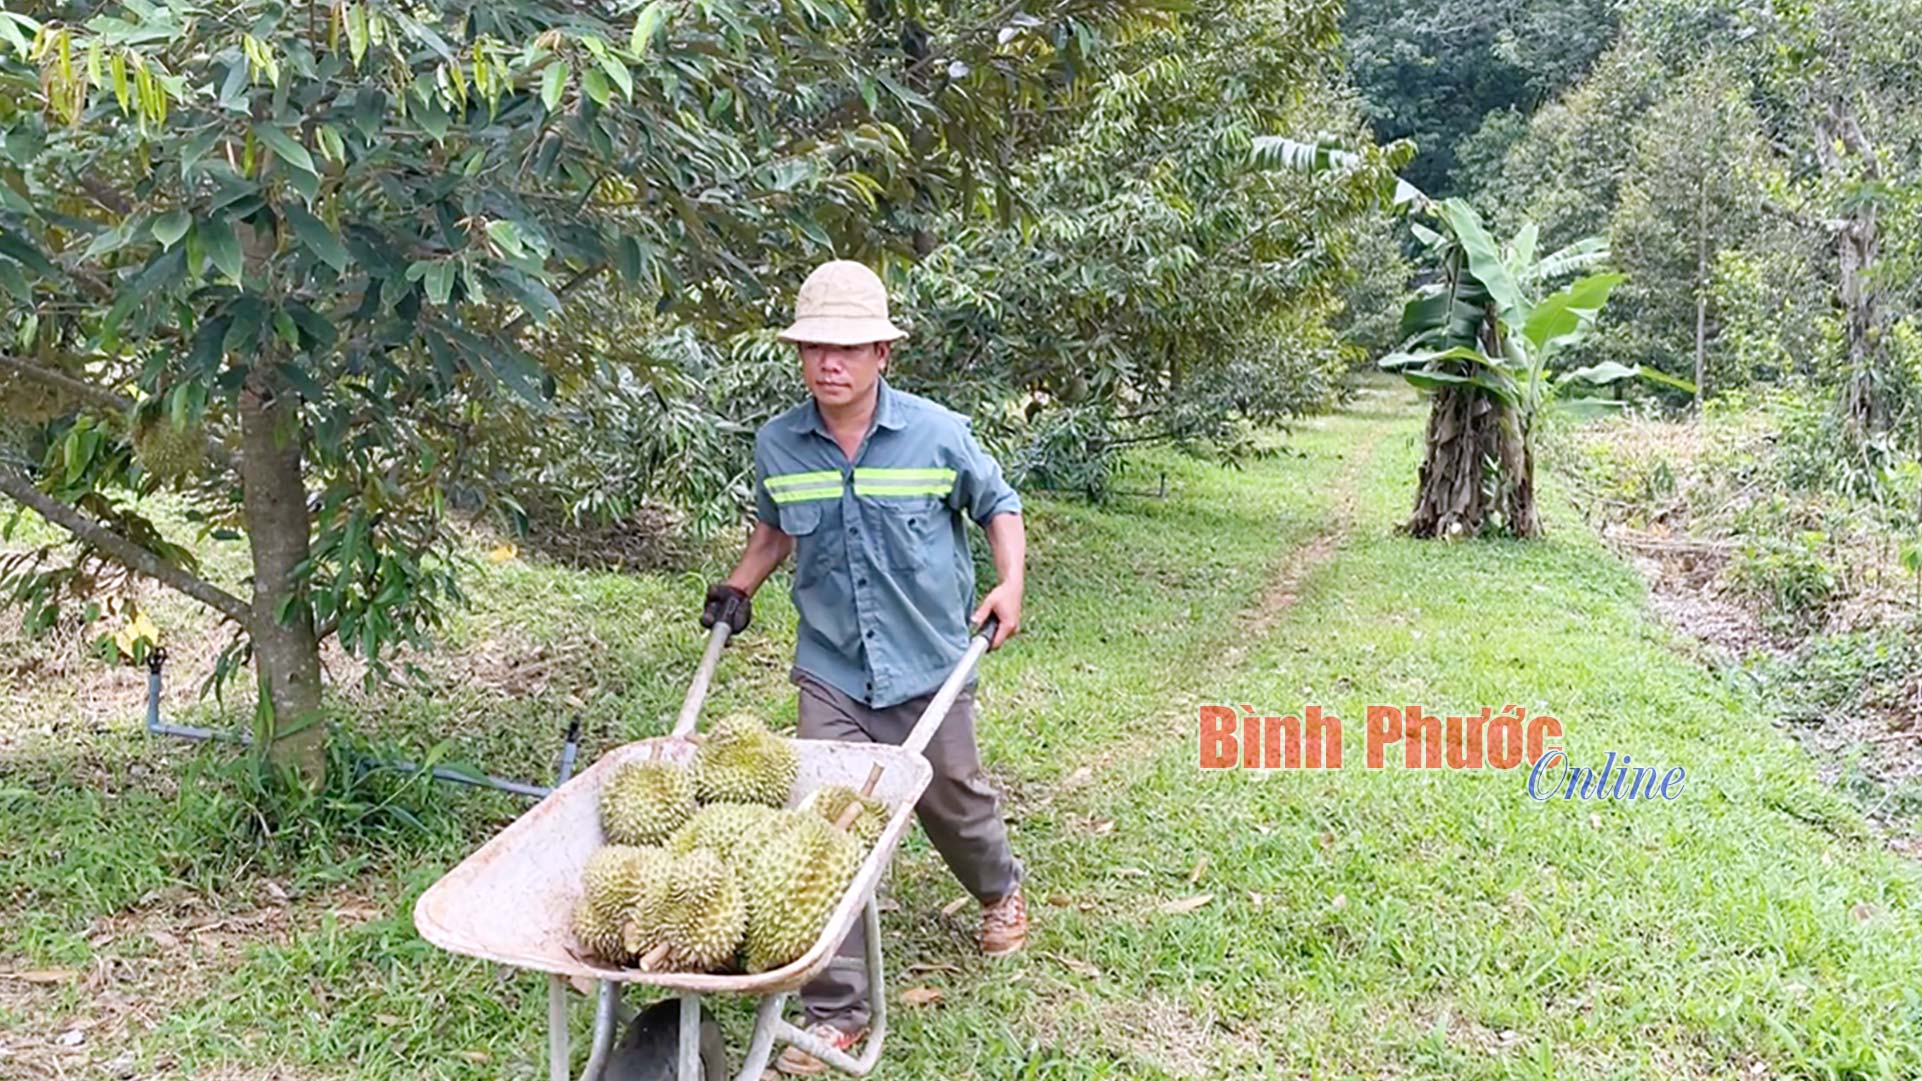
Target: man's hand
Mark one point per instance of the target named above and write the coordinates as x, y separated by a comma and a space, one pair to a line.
1004, 603
727, 604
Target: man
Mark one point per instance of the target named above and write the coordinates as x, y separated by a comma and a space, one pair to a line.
870, 488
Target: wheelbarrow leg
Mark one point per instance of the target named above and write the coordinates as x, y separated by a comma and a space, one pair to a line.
558, 1052
689, 1057
767, 1017
607, 1016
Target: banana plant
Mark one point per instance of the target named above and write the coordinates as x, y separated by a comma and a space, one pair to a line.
1480, 324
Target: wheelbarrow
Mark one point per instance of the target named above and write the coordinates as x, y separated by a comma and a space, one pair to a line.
511, 900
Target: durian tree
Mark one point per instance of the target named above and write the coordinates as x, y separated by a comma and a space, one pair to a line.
289, 259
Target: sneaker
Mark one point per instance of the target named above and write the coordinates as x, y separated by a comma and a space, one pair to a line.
1004, 925
795, 1061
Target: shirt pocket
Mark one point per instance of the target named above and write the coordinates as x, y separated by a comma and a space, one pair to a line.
803, 522
913, 530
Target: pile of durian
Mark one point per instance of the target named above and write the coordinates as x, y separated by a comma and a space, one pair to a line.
702, 869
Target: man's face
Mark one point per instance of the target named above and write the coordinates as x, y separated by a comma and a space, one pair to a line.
840, 374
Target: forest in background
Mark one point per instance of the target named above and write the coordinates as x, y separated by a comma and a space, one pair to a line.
1755, 167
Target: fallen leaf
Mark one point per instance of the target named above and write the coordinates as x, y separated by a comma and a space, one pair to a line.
1594, 820
1130, 872
1077, 966
921, 996
73, 1037
929, 966
1327, 839
388, 1018
477, 1056
1862, 910
166, 940
1059, 900
274, 890
1340, 901
955, 905
1078, 778
1201, 865
1101, 825
1187, 904
888, 904
41, 975
1255, 899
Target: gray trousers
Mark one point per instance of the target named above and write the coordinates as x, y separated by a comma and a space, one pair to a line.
960, 810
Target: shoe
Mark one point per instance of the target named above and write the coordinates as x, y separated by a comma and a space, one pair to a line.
795, 1061
1004, 925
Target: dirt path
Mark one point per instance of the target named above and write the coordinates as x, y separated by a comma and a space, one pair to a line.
1284, 588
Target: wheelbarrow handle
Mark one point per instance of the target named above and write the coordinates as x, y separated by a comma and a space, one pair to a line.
943, 700
703, 676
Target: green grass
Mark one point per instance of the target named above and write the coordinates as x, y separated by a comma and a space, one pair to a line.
1361, 924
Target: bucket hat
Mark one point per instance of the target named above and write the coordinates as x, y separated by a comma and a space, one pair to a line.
842, 303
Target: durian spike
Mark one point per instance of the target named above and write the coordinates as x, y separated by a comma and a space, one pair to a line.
853, 810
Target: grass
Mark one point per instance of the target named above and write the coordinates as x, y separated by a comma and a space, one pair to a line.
1355, 923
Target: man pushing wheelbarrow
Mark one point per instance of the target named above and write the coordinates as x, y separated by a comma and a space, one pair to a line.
869, 488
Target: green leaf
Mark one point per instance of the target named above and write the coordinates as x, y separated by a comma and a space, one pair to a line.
1566, 314
646, 24
168, 228
1485, 259
594, 85
318, 238
440, 281
285, 148
618, 72
218, 236
508, 236
554, 85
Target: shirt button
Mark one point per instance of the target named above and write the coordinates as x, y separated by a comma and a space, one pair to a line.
860, 581
870, 632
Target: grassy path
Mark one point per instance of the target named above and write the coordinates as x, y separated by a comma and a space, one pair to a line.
1345, 923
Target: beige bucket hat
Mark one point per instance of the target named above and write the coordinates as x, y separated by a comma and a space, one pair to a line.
842, 303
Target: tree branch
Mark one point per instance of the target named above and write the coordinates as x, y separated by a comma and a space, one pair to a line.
79, 388
127, 553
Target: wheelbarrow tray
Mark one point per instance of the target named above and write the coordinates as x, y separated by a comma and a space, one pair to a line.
513, 899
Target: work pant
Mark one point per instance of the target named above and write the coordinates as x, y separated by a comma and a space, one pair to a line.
959, 809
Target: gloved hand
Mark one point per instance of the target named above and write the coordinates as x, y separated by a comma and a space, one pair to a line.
726, 604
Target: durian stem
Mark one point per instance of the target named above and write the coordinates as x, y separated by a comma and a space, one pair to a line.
853, 810
655, 956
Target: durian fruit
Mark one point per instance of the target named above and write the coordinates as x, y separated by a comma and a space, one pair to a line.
704, 914
614, 885
734, 830
29, 401
168, 452
642, 803
742, 762
832, 801
792, 885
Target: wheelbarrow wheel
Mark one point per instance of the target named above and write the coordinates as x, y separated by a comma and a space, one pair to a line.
647, 1050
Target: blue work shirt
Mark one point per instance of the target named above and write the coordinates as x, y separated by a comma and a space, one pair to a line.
883, 579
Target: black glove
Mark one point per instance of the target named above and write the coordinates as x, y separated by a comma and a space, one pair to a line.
729, 605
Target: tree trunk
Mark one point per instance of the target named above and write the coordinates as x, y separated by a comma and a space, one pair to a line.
1701, 293
1457, 495
286, 653
1865, 404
